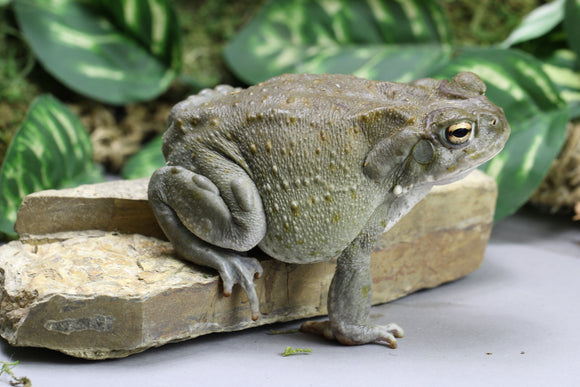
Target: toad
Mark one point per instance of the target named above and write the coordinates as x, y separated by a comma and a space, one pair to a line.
310, 168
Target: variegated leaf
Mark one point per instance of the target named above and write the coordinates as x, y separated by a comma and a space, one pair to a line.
572, 24
50, 150
145, 162
536, 113
537, 23
114, 51
375, 39
563, 68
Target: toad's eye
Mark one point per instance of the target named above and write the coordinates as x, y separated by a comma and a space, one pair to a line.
459, 133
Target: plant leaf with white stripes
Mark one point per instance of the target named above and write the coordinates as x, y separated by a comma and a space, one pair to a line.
572, 25
375, 39
144, 163
113, 51
50, 150
563, 68
535, 111
537, 23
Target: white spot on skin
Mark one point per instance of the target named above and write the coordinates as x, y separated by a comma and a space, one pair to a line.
398, 190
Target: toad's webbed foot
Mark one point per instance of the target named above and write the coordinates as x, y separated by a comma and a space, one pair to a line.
355, 334
242, 270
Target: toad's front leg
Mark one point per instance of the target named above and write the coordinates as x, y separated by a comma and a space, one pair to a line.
349, 298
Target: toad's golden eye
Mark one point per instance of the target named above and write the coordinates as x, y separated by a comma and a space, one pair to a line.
459, 133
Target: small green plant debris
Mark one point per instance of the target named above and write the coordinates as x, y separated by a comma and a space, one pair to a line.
285, 332
289, 351
16, 381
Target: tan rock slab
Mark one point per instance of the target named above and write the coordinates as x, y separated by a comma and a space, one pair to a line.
114, 206
102, 294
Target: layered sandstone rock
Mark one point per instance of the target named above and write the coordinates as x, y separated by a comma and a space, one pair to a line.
89, 276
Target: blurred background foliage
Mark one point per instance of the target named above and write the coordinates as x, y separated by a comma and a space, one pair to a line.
155, 53
206, 27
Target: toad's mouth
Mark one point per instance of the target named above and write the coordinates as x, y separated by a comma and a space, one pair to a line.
453, 177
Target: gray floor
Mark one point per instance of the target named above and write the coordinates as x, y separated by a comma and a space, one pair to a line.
515, 321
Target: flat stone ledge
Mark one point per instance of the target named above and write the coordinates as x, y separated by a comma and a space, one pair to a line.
120, 206
103, 294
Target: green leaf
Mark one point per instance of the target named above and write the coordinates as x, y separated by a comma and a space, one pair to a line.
536, 113
572, 24
563, 68
145, 162
50, 150
539, 22
5, 2
376, 39
289, 351
114, 51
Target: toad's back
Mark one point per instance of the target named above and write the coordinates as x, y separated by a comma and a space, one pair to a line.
302, 139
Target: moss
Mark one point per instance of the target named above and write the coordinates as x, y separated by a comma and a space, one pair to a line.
207, 26
289, 351
366, 291
16, 381
485, 22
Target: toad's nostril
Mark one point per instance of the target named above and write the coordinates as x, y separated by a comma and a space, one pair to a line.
494, 122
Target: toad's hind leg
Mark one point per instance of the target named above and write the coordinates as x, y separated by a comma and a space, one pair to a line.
211, 223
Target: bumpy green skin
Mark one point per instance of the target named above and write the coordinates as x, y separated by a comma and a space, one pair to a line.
311, 168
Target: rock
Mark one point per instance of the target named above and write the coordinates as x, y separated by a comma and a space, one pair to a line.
108, 294
114, 206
